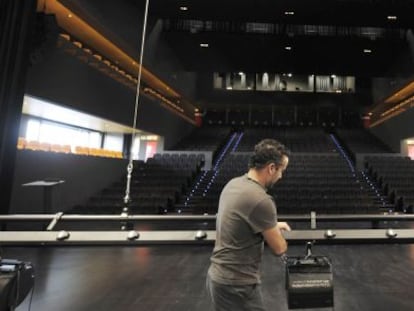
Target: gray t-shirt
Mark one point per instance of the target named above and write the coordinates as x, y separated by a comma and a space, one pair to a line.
245, 210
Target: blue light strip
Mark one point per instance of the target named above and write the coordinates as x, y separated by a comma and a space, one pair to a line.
195, 187
237, 142
343, 153
215, 169
352, 168
374, 188
224, 151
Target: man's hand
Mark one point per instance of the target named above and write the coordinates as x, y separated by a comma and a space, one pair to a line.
275, 239
283, 226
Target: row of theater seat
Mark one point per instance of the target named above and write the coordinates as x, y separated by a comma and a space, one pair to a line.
320, 182
154, 187
317, 178
47, 147
204, 139
361, 141
296, 139
178, 161
330, 188
22, 143
394, 175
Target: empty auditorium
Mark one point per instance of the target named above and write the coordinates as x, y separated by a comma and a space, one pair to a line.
176, 155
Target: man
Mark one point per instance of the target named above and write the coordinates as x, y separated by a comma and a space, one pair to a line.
246, 217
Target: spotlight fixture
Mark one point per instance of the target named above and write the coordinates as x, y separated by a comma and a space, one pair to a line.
132, 235
62, 235
183, 8
329, 234
200, 235
391, 233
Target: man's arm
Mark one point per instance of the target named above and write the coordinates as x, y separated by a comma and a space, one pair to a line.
275, 239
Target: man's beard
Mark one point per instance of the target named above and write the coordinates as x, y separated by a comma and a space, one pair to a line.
270, 185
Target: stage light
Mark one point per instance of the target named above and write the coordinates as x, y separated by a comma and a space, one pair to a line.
391, 233
200, 235
132, 235
329, 234
62, 235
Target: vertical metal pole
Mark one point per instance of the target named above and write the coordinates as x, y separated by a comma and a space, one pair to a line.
130, 166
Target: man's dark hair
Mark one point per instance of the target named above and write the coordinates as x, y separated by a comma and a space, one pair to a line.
268, 151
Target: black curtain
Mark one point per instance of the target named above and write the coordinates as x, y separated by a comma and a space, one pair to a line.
17, 19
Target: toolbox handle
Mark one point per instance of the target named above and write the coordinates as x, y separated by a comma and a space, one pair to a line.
308, 249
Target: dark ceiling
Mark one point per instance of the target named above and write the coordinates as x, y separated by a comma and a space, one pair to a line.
355, 37
313, 12
365, 38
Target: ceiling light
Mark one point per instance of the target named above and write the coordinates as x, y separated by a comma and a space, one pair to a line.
289, 75
288, 48
289, 13
333, 76
183, 8
204, 45
367, 51
392, 17
70, 15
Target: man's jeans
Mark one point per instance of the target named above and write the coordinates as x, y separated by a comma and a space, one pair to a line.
235, 297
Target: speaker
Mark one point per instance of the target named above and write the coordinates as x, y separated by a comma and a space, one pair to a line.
16, 281
309, 281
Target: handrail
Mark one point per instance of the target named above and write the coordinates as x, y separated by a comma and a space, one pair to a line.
135, 238
119, 217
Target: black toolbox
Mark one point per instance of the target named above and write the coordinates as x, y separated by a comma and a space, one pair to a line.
309, 281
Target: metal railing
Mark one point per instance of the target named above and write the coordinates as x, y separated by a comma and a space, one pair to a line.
49, 236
